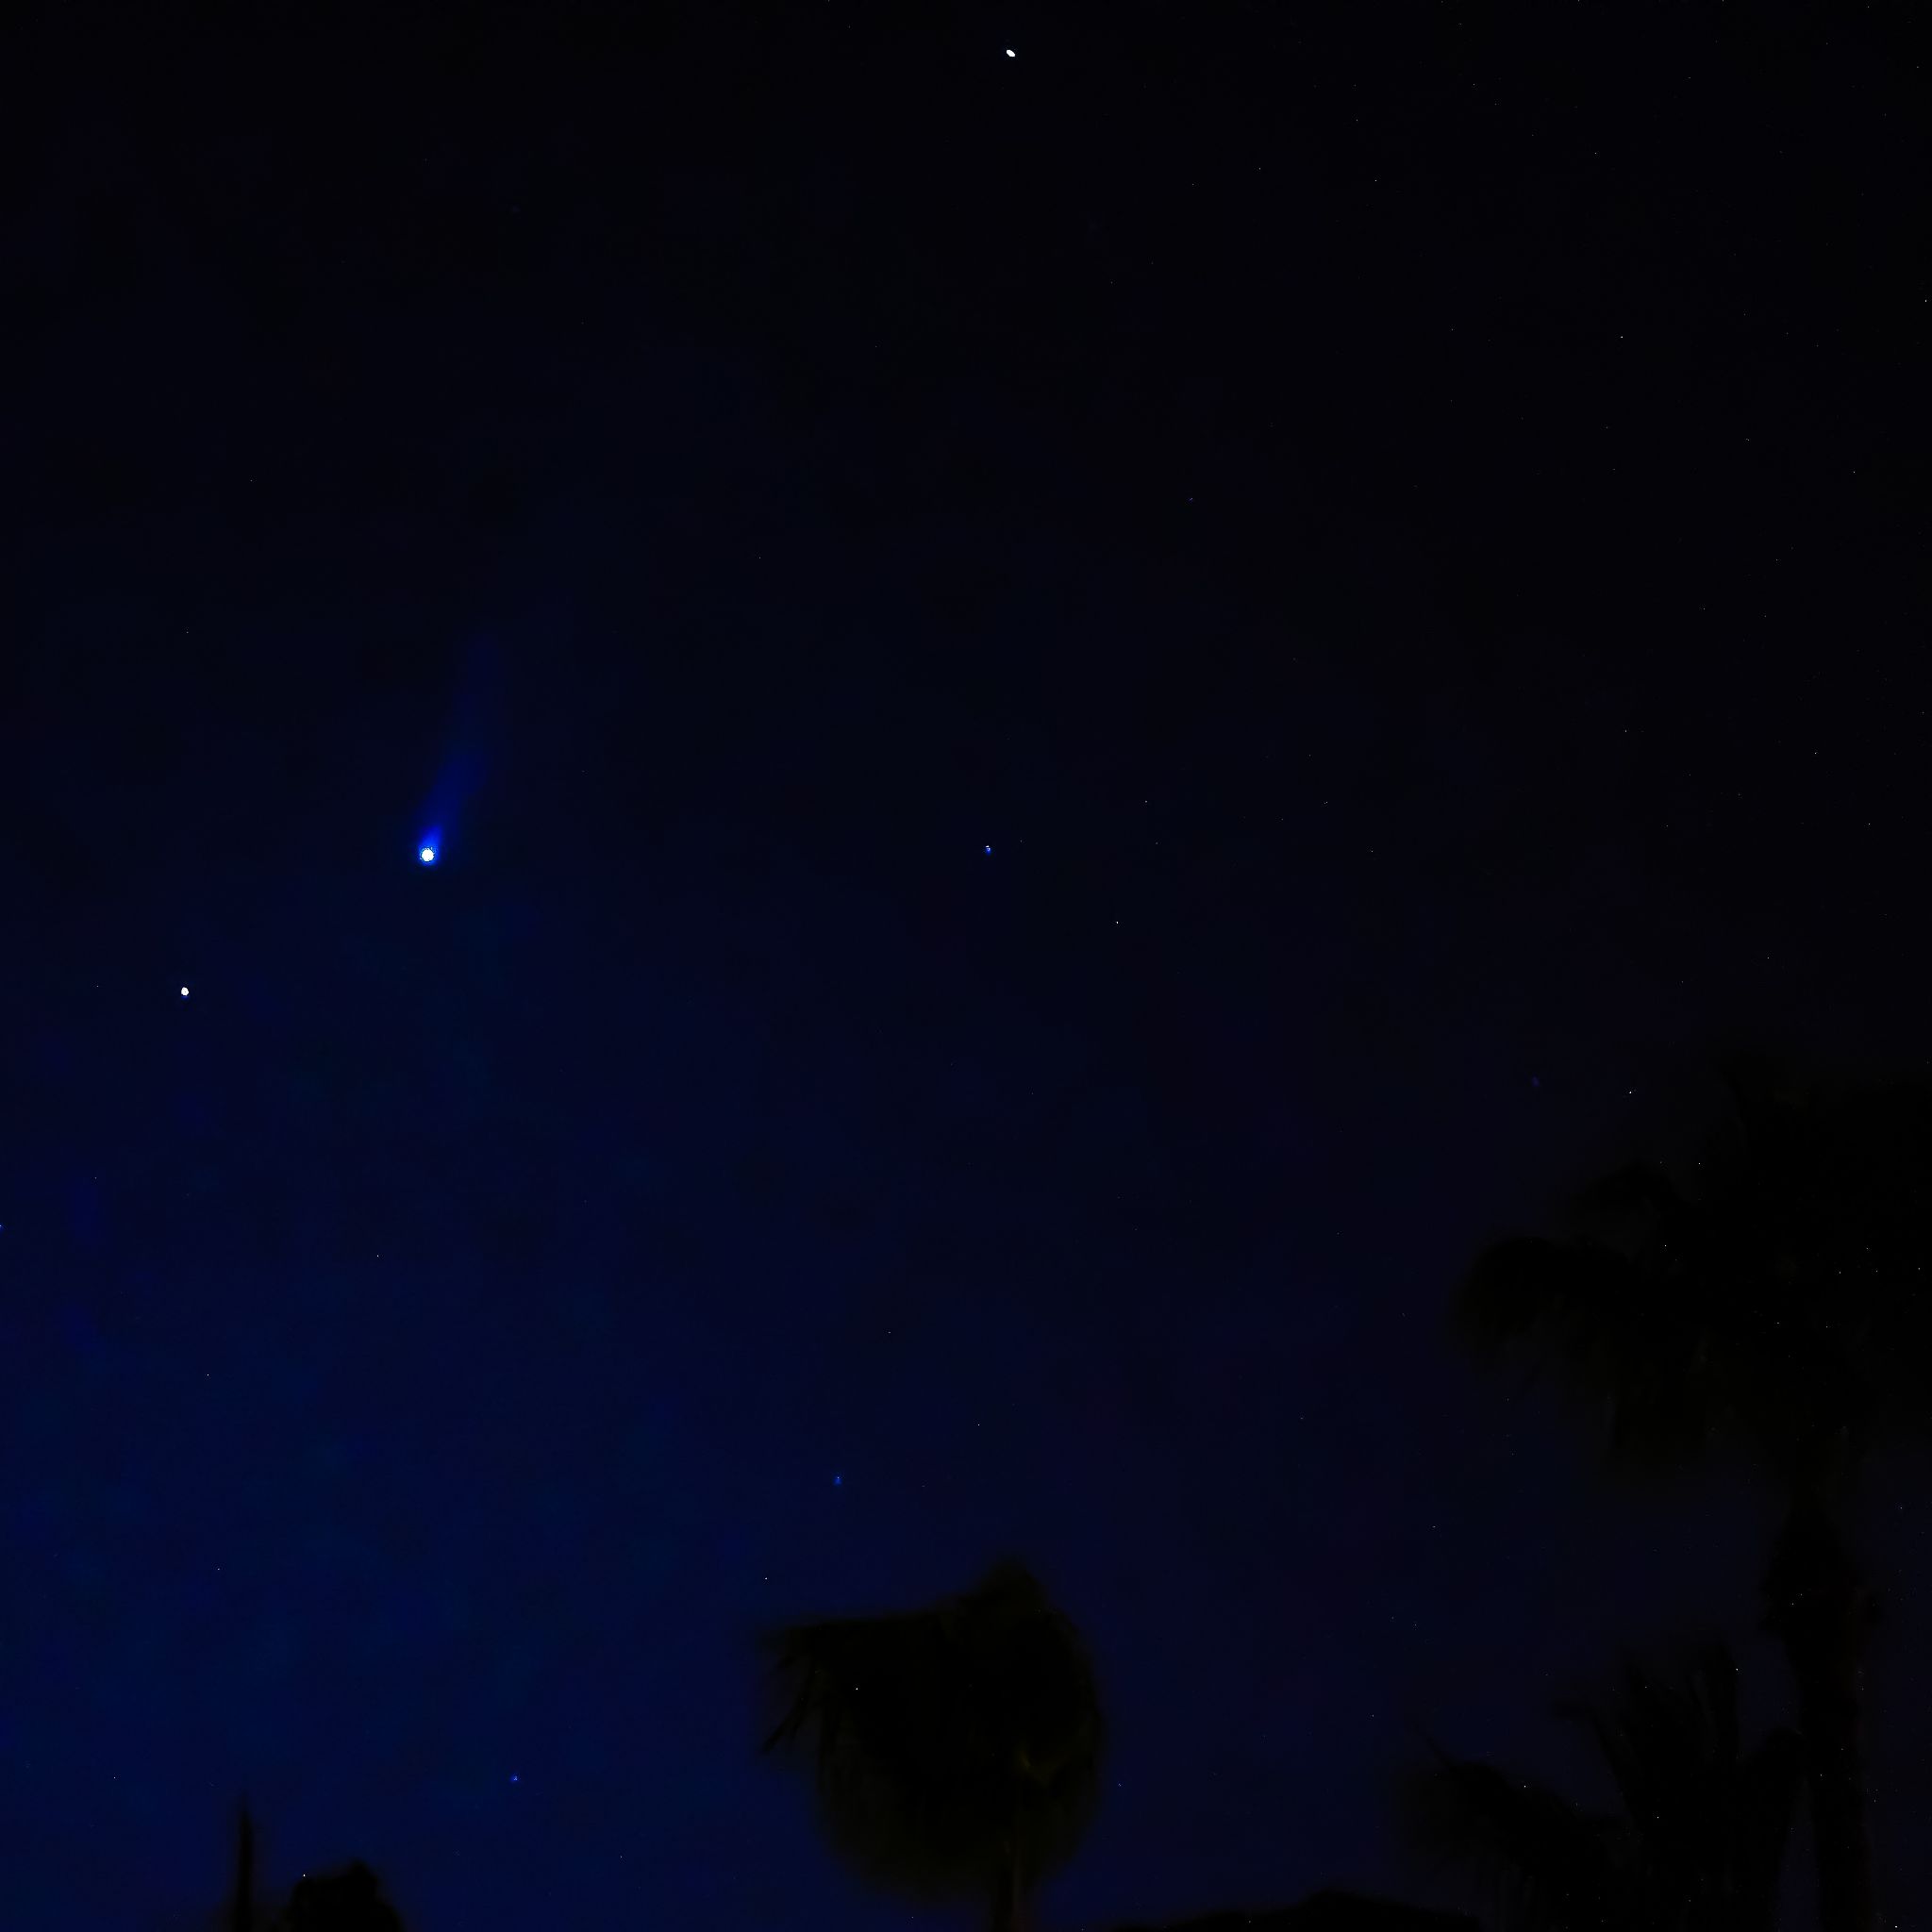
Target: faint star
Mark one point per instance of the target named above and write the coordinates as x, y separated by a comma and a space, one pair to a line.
428, 855
184, 993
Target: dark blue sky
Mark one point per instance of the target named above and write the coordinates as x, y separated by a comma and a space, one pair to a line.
1408, 551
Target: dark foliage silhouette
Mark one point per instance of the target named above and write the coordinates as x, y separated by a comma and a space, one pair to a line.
1327, 1911
1698, 1845
347, 1901
959, 1747
350, 1900
1778, 1304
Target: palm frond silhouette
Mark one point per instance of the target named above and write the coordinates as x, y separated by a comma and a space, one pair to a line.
957, 1748
1697, 1846
1778, 1305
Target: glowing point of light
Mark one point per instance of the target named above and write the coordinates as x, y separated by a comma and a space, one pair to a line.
184, 993
514, 1780
1010, 55
988, 851
837, 1482
428, 855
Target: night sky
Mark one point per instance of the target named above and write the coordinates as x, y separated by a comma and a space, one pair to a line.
1082, 712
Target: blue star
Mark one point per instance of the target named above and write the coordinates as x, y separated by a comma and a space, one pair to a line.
428, 855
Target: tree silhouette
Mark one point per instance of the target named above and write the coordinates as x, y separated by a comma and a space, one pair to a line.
1328, 1911
350, 1900
959, 1747
1699, 1843
347, 1901
1778, 1304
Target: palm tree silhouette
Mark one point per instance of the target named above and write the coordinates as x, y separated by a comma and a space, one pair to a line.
1779, 1306
1697, 1847
959, 1747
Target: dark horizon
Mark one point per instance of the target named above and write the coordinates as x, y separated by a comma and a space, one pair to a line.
1082, 713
